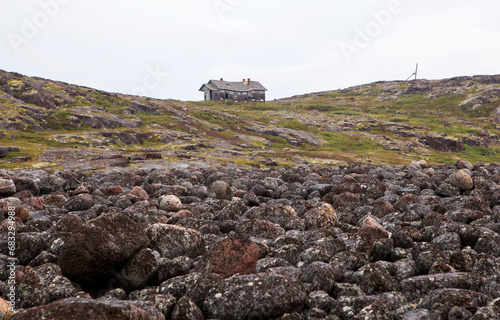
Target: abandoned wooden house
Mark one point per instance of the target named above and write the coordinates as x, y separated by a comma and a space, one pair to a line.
246, 90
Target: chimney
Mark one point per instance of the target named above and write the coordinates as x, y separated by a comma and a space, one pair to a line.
244, 81
248, 81
221, 79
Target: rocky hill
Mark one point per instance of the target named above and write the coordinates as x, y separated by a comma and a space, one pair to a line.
46, 123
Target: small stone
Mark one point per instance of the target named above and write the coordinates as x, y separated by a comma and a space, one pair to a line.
112, 191
260, 228
80, 202
373, 229
320, 275
22, 214
463, 164
194, 285
448, 242
80, 190
170, 203
7, 187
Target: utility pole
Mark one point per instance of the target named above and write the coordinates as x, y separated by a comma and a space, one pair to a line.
414, 73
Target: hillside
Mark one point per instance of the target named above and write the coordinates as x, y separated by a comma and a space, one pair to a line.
47, 123
122, 207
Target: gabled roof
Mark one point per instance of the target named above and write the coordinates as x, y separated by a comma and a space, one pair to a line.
234, 86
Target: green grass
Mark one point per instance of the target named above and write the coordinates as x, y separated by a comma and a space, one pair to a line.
352, 143
148, 119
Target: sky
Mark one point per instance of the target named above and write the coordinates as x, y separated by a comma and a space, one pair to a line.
167, 49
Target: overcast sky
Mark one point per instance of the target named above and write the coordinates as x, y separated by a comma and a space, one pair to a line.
168, 49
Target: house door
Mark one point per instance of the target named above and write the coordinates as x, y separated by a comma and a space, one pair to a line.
226, 96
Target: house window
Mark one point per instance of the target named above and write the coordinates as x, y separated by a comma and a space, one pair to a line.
226, 96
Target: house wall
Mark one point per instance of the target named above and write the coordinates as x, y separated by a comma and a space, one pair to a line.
238, 96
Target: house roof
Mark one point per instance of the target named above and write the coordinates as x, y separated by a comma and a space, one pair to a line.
234, 86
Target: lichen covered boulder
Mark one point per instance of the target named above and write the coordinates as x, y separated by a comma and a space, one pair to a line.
172, 241
78, 308
255, 296
462, 180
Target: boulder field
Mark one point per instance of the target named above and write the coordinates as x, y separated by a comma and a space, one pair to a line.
194, 241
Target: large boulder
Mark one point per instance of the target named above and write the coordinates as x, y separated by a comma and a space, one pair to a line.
172, 241
30, 181
255, 297
419, 286
462, 180
194, 285
39, 286
231, 256
140, 268
28, 246
94, 248
78, 308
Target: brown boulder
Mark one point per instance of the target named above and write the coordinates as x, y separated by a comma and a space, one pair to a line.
231, 256
112, 191
22, 214
139, 193
373, 229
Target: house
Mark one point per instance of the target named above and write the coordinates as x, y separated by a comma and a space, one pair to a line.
246, 90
